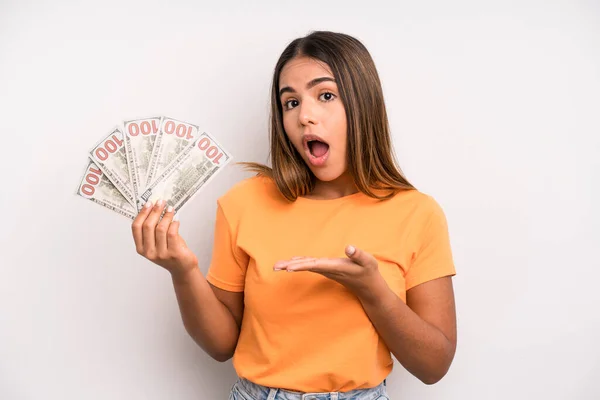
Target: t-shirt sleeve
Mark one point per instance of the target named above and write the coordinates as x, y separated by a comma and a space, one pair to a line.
433, 258
228, 264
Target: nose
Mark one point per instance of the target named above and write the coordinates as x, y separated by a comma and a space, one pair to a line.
307, 113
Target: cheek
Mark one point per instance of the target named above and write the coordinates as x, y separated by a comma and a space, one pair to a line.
341, 143
291, 131
341, 135
286, 122
342, 149
340, 125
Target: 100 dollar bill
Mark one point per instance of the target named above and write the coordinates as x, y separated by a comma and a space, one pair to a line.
139, 137
187, 173
173, 137
109, 155
96, 187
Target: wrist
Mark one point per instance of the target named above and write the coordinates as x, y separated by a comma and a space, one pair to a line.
184, 275
372, 289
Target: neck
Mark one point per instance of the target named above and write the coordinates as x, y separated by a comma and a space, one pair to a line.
339, 187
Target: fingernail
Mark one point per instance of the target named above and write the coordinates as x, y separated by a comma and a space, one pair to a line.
159, 203
170, 209
176, 217
350, 250
148, 204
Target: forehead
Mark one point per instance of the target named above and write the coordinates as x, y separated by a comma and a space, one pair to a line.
303, 69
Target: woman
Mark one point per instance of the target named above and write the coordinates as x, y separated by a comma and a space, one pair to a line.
370, 254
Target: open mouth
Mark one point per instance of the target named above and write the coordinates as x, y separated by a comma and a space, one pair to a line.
316, 149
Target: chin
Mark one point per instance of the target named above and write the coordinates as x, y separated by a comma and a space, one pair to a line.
326, 174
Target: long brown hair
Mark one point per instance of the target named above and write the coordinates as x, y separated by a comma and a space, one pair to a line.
370, 157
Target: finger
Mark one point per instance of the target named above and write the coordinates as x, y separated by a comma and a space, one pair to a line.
136, 227
161, 232
292, 259
173, 233
149, 226
321, 265
286, 263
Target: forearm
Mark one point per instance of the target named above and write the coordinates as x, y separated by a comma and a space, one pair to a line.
205, 318
419, 346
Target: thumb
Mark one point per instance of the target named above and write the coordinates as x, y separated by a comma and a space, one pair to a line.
357, 255
360, 257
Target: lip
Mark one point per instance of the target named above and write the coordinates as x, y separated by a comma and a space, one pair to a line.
315, 161
310, 136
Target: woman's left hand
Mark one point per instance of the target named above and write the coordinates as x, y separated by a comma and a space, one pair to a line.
359, 272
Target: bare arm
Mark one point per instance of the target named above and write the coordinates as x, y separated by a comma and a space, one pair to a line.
211, 316
422, 333
206, 316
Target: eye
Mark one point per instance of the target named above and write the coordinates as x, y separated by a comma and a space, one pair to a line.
327, 96
289, 104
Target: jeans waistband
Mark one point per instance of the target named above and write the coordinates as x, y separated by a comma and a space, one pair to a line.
260, 392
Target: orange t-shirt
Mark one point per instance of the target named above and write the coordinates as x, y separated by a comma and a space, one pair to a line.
302, 331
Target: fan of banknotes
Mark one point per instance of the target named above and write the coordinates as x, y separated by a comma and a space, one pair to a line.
150, 159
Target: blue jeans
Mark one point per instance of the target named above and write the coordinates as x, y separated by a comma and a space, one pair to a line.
246, 390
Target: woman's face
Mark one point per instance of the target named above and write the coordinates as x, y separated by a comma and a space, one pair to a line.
314, 117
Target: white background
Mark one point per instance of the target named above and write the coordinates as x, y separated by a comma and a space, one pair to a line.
495, 111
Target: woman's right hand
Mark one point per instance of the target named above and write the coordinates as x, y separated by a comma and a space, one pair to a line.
159, 241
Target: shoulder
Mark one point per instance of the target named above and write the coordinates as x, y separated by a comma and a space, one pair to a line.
249, 187
248, 193
417, 201
422, 208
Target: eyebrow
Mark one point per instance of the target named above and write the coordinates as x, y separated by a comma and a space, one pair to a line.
309, 85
